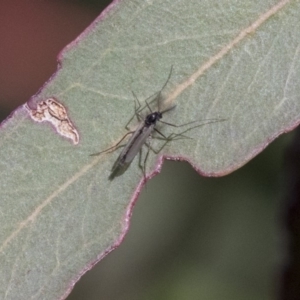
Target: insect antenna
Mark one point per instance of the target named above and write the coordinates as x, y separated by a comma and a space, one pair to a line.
156, 96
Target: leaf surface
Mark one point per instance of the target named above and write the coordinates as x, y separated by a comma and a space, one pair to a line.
237, 60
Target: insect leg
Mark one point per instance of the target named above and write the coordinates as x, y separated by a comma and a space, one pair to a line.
160, 133
170, 137
141, 166
178, 136
136, 111
148, 144
116, 146
137, 108
206, 121
156, 96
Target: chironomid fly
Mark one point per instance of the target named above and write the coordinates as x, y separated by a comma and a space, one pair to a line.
143, 133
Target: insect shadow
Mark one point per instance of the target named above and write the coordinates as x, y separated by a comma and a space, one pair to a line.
144, 132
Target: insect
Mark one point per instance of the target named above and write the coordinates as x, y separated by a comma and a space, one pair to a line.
143, 133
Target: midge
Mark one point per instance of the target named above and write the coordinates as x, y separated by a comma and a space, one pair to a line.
143, 134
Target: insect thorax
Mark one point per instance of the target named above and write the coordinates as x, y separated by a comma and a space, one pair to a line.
152, 118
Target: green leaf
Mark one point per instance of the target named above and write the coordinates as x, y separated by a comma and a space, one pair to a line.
237, 60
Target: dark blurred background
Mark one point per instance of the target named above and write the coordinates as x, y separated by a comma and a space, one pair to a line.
190, 237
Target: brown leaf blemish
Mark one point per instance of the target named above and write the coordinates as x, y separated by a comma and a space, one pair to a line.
54, 112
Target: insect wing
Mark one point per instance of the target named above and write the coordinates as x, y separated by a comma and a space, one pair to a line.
128, 154
138, 143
